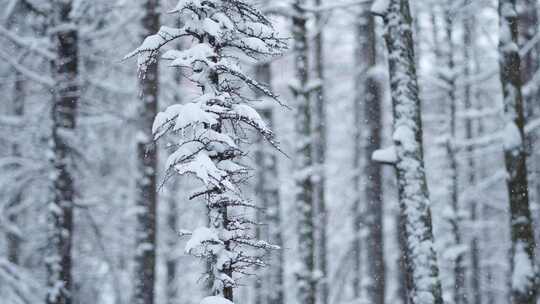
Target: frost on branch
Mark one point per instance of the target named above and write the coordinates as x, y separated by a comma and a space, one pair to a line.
210, 130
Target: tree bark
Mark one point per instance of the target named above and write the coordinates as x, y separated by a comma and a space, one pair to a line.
468, 26
268, 193
65, 72
146, 195
172, 225
319, 153
14, 239
304, 162
413, 192
523, 289
372, 101
460, 294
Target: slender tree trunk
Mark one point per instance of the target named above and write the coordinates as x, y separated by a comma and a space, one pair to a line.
357, 158
65, 99
460, 294
171, 264
13, 238
372, 102
303, 164
468, 26
319, 152
268, 188
146, 195
404, 278
530, 62
523, 289
412, 186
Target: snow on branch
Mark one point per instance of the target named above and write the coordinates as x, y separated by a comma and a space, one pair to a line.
208, 129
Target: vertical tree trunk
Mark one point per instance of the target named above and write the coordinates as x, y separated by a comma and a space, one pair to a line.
146, 196
372, 100
303, 164
172, 225
460, 294
468, 26
404, 278
268, 188
530, 62
319, 152
13, 238
412, 186
65, 99
523, 289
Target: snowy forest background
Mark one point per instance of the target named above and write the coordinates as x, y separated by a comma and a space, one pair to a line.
93, 210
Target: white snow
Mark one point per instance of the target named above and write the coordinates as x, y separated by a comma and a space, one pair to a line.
200, 236
405, 136
379, 7
511, 136
387, 155
215, 300
523, 271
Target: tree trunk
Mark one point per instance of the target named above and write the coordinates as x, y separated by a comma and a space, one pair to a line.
319, 154
303, 164
65, 99
468, 25
172, 225
413, 193
268, 188
146, 195
523, 289
460, 294
528, 29
13, 238
372, 100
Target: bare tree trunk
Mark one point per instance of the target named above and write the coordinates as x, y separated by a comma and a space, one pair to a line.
528, 29
413, 192
404, 278
146, 195
369, 95
523, 289
468, 26
171, 262
304, 162
65, 71
319, 154
13, 238
268, 188
460, 294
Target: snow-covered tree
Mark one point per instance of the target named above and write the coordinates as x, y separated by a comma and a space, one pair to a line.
211, 130
407, 153
523, 271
